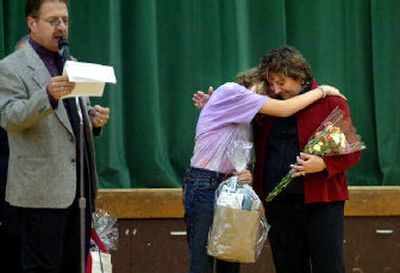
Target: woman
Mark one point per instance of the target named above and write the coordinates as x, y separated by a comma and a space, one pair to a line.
306, 219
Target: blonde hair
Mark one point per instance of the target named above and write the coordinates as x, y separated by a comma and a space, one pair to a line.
249, 78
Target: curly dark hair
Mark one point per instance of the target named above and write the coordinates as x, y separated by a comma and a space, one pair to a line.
32, 7
285, 61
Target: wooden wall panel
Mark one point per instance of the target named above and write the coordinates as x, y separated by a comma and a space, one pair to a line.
167, 203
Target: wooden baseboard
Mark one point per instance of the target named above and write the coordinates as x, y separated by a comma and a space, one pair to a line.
373, 201
141, 203
167, 203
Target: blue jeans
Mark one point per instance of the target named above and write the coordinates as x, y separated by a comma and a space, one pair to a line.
198, 197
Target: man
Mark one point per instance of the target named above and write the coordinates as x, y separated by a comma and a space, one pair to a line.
43, 133
306, 219
9, 224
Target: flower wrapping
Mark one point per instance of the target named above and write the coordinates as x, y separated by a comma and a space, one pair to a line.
335, 136
239, 227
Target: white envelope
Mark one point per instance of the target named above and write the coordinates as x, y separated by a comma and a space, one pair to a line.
89, 78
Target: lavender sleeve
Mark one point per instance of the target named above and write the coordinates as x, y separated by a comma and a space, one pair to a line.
230, 103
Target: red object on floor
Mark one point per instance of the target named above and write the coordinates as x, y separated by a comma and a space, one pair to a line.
96, 239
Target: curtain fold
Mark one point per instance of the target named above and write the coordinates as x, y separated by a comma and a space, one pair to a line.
163, 51
385, 70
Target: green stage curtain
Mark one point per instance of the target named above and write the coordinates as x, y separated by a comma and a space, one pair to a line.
163, 51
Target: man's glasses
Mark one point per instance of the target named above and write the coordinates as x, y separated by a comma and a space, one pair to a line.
56, 21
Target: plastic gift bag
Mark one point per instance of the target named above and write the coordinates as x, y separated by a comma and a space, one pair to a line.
105, 226
104, 236
239, 228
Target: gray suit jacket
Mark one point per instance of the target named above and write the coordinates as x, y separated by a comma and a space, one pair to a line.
42, 165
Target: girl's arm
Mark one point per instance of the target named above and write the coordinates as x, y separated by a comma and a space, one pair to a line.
286, 108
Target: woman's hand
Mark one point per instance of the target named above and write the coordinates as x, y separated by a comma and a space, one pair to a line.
200, 98
307, 163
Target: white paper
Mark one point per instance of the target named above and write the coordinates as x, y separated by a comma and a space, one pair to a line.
101, 263
230, 199
89, 78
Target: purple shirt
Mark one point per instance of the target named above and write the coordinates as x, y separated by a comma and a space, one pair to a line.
224, 119
48, 57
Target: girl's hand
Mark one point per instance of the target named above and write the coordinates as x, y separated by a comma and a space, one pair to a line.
244, 177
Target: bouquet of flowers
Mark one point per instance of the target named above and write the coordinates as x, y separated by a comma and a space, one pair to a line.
335, 136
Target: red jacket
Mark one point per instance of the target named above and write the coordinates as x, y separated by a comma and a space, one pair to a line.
326, 186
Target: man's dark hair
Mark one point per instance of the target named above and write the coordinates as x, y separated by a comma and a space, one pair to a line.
32, 7
285, 61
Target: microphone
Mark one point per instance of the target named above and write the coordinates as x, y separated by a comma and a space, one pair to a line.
63, 49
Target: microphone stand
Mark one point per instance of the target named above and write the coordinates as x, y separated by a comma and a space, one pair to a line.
65, 53
82, 199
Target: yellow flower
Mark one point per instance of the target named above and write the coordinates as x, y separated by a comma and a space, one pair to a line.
317, 147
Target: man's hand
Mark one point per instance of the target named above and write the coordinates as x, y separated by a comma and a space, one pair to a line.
59, 87
307, 163
99, 116
200, 98
244, 177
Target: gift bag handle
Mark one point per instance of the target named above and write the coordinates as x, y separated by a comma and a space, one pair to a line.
102, 248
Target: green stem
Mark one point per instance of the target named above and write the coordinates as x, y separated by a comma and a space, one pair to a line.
281, 186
